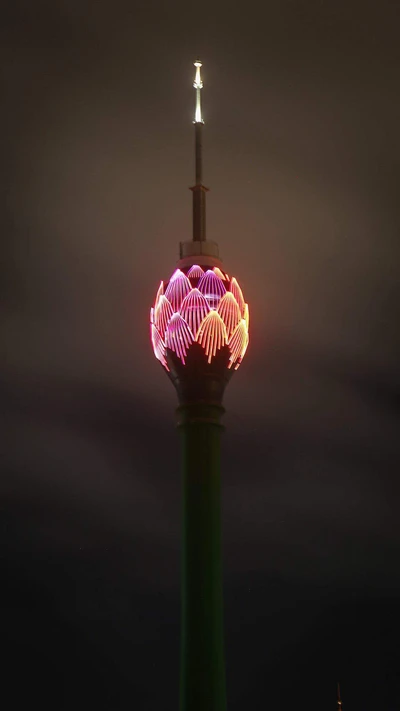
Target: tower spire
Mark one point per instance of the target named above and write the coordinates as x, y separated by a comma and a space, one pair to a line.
198, 85
199, 190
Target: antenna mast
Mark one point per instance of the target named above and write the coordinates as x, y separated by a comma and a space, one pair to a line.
199, 190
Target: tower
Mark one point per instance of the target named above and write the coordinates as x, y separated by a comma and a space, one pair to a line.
199, 332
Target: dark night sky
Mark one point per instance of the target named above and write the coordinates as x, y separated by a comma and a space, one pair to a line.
302, 154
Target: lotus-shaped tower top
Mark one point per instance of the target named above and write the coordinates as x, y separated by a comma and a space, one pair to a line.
200, 306
200, 321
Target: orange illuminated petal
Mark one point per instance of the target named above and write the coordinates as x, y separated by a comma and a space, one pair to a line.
238, 342
212, 287
212, 334
158, 346
237, 292
179, 336
218, 272
163, 314
246, 315
159, 293
178, 287
229, 312
193, 309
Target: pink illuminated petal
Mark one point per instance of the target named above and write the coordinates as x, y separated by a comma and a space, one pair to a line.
212, 334
163, 314
238, 342
158, 346
159, 293
229, 311
195, 272
193, 309
179, 336
237, 292
212, 287
152, 315
178, 287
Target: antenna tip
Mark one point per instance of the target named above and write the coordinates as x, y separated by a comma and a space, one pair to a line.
198, 85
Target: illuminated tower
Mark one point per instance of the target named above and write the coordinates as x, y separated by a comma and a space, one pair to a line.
199, 331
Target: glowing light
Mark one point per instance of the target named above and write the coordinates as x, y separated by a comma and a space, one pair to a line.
237, 292
163, 314
158, 346
209, 314
212, 287
159, 293
218, 272
238, 343
179, 336
212, 334
178, 287
193, 309
229, 311
246, 315
195, 272
198, 85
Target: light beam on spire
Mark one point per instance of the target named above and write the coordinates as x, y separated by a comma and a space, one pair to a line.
199, 190
198, 85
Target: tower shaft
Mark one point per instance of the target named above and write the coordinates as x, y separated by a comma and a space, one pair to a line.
202, 684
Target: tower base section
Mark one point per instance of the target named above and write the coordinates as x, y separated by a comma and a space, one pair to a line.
202, 686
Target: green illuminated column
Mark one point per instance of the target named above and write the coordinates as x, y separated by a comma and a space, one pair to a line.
202, 645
